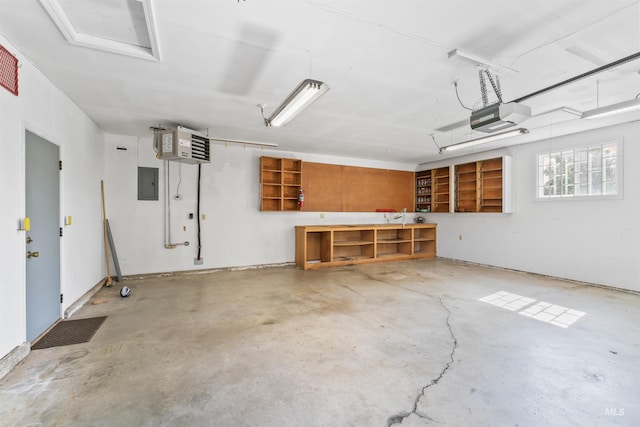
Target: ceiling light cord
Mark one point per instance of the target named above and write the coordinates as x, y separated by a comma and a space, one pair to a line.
179, 180
436, 144
266, 121
455, 84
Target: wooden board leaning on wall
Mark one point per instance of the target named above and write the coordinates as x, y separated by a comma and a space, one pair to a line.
338, 188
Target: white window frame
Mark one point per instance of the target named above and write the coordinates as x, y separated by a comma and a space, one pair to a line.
570, 152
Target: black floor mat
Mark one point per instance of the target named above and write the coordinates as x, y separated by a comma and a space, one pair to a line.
69, 332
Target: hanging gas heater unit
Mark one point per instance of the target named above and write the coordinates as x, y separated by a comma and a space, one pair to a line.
184, 145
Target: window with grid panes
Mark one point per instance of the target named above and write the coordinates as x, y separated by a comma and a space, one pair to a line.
591, 171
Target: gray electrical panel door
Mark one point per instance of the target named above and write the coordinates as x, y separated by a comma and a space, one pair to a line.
147, 183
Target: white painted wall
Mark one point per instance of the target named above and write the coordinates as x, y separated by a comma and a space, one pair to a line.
596, 241
576, 240
235, 231
42, 109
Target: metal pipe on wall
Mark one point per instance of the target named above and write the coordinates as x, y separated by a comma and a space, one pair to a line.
167, 211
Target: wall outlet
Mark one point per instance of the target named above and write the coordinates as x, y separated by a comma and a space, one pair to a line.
322, 215
203, 217
197, 261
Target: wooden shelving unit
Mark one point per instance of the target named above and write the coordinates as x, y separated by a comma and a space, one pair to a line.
433, 190
466, 187
280, 182
491, 186
480, 186
441, 189
332, 245
332, 188
423, 191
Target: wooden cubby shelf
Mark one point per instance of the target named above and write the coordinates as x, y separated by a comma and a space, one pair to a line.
281, 181
480, 186
332, 245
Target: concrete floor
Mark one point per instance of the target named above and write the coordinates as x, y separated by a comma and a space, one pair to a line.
403, 343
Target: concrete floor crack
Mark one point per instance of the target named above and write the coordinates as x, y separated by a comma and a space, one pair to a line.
400, 417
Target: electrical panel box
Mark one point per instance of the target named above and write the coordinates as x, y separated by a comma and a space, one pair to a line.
147, 183
184, 145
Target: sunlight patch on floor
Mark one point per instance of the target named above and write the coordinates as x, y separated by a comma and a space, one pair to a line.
543, 311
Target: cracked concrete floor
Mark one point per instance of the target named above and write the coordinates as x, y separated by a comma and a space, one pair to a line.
402, 343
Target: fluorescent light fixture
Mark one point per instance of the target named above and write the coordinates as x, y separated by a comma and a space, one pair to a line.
301, 97
484, 139
610, 110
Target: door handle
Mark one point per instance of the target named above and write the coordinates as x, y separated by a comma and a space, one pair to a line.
33, 254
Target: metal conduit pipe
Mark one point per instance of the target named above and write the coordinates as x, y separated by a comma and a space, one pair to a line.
167, 212
581, 76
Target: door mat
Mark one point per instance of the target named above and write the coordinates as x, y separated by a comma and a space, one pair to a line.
70, 332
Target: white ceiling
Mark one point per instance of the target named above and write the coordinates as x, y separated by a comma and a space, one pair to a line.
385, 61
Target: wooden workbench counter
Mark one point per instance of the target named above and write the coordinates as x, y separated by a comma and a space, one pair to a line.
331, 245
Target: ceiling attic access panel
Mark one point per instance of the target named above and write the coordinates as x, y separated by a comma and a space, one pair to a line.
124, 27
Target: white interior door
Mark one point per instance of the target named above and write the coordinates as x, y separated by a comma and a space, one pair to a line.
43, 239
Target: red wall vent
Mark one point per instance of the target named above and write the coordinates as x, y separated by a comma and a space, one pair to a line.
8, 71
